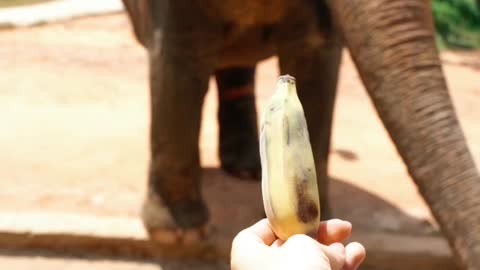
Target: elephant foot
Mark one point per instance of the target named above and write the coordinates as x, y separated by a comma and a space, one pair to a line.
239, 168
237, 117
180, 236
164, 229
239, 148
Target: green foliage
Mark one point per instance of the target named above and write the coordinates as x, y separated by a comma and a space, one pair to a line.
457, 23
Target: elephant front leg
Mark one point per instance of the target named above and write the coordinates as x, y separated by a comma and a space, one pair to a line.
316, 73
180, 65
237, 117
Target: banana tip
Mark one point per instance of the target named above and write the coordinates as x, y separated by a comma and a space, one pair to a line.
286, 79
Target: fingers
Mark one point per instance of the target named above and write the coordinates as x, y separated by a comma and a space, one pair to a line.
334, 230
344, 258
336, 255
331, 233
277, 243
252, 242
259, 237
259, 233
354, 255
304, 247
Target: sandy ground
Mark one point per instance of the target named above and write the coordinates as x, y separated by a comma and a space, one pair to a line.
48, 261
74, 113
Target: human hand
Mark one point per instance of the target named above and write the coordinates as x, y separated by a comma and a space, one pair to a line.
257, 247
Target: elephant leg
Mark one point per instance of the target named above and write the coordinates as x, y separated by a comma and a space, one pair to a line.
140, 14
182, 57
316, 72
237, 116
392, 44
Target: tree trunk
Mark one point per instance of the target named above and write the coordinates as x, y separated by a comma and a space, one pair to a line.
392, 44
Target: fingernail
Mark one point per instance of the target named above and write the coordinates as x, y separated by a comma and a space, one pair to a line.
341, 221
347, 222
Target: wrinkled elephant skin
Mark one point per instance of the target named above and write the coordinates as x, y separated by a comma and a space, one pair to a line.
393, 47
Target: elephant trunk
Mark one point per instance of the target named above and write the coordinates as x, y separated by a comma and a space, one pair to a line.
392, 44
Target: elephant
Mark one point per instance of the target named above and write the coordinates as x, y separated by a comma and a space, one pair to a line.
393, 47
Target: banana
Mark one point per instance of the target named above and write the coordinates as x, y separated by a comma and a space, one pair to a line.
289, 181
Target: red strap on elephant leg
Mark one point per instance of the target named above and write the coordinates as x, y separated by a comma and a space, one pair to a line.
236, 92
234, 83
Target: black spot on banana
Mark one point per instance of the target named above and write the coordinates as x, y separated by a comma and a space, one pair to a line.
289, 182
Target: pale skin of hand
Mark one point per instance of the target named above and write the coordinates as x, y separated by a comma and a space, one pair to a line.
257, 247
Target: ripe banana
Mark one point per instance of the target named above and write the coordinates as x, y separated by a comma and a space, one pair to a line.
289, 181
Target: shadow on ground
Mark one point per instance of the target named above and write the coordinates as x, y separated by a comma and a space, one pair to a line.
234, 205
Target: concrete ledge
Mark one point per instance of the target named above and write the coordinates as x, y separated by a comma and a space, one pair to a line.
126, 238
55, 11
93, 235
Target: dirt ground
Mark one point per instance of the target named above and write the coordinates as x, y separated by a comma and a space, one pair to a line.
74, 111
49, 261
